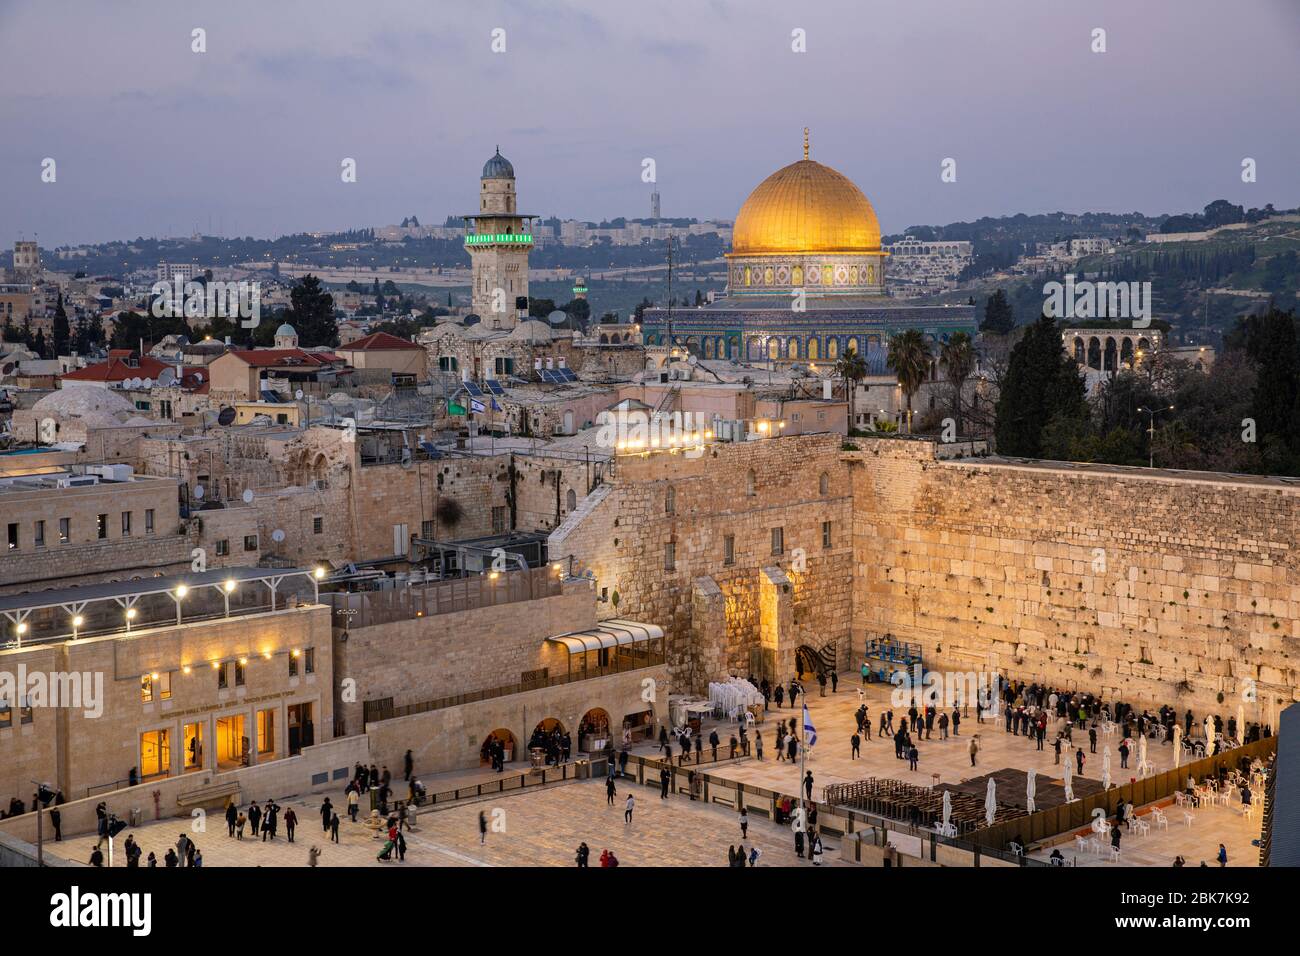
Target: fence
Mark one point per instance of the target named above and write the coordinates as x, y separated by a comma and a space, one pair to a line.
843, 822
1077, 814
575, 770
366, 608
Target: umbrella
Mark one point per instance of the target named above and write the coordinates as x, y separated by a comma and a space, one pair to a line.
1209, 735
1142, 755
1065, 779
947, 809
1105, 768
1241, 721
1030, 789
1178, 745
990, 803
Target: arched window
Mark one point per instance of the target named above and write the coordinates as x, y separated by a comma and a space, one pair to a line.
796, 277
814, 352
571, 500
670, 500
792, 349
824, 484
749, 482
774, 348
832, 348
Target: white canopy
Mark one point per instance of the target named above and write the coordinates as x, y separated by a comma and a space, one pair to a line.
615, 632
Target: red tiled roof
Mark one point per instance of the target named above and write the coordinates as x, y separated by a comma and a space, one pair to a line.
271, 358
116, 370
381, 342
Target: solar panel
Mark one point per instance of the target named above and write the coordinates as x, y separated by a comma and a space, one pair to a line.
495, 387
545, 375
473, 389
270, 396
568, 375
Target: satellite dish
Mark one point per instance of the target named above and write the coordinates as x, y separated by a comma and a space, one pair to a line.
298, 394
558, 317
198, 376
198, 491
226, 416
277, 535
248, 496
147, 383
166, 377
8, 367
691, 359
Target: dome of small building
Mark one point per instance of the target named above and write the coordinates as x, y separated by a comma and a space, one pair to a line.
79, 402
531, 330
286, 329
498, 167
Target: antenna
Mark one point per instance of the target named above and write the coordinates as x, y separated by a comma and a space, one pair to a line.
670, 291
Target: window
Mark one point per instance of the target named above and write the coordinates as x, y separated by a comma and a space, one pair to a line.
505, 365
778, 541
310, 664
250, 542
729, 550
426, 529
749, 482
13, 536
223, 677
126, 524
156, 687
670, 501
670, 556
148, 521
101, 527
240, 669
39, 540
65, 530
6, 715
448, 363
223, 547
318, 524
293, 663
24, 710
824, 484
826, 534
499, 519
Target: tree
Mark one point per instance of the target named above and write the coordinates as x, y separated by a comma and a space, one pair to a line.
62, 333
311, 313
957, 356
1041, 383
909, 358
998, 317
851, 368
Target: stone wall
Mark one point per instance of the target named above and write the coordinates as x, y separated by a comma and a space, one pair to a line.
1143, 585
624, 534
443, 655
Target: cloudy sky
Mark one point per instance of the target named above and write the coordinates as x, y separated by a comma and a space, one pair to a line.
151, 138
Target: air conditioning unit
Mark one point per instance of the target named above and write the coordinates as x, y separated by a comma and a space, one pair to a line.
76, 481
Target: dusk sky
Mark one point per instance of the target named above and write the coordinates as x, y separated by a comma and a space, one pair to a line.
247, 138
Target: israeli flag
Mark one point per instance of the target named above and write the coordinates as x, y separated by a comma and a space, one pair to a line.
809, 731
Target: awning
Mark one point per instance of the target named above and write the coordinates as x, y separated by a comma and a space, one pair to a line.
615, 632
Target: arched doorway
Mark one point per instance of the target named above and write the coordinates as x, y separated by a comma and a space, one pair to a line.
498, 736
594, 730
550, 735
808, 663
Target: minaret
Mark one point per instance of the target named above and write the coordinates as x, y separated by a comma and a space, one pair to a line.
498, 239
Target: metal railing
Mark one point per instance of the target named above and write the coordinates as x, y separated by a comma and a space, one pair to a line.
366, 608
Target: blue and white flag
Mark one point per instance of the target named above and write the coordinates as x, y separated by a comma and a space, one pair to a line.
477, 407
809, 731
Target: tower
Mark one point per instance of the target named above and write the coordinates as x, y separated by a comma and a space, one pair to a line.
498, 239
27, 257
654, 204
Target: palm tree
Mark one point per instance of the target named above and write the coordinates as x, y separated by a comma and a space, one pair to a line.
957, 356
909, 358
851, 368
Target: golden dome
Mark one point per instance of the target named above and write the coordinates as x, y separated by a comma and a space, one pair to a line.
805, 207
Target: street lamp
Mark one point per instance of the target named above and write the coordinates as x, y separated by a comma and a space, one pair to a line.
130, 616
77, 621
21, 629
178, 596
316, 575
1151, 431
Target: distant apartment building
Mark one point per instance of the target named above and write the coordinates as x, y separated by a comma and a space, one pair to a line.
924, 262
187, 271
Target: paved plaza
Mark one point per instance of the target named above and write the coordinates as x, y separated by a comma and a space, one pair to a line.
540, 828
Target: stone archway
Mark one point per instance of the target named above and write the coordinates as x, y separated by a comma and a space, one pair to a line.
505, 737
808, 663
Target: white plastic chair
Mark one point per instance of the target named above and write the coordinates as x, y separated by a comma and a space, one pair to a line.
1188, 818
1114, 854
1081, 844
1143, 828
1161, 819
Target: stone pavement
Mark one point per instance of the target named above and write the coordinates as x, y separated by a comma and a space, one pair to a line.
1211, 825
541, 828
831, 762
